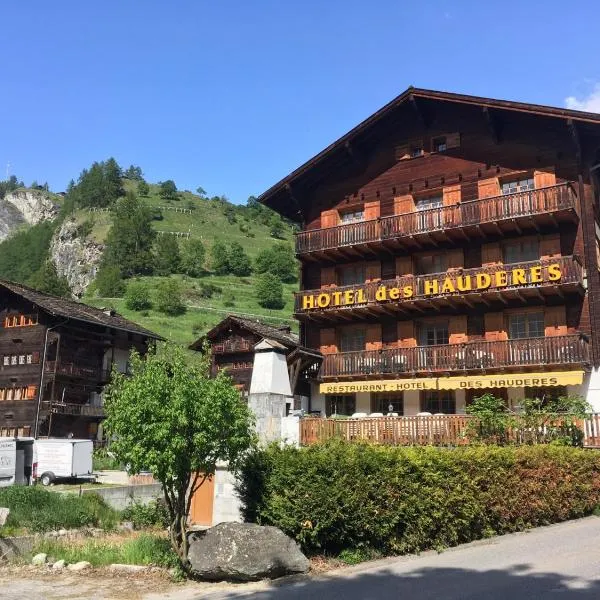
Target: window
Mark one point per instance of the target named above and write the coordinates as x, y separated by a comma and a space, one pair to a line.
526, 325
518, 185
416, 150
521, 251
340, 405
351, 275
14, 360
352, 340
429, 218
353, 216
429, 202
439, 144
438, 401
6, 361
20, 320
433, 334
20, 359
431, 263
18, 393
546, 393
386, 403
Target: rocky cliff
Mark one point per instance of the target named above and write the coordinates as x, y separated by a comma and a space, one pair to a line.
25, 207
76, 258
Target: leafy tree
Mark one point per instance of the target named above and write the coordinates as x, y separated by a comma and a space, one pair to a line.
134, 173
239, 262
171, 418
166, 255
46, 280
201, 192
168, 190
109, 282
276, 227
269, 291
137, 296
143, 189
193, 254
129, 241
169, 298
219, 258
278, 260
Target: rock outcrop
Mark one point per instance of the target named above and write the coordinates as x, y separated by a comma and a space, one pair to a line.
74, 257
244, 552
25, 207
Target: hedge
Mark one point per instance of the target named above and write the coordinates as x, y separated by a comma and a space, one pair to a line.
396, 500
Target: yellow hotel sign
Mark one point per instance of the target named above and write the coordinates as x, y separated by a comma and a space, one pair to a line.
433, 287
503, 380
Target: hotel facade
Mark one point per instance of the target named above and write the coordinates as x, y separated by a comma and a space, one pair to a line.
449, 246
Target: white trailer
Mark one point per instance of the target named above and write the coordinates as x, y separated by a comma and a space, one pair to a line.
63, 459
16, 461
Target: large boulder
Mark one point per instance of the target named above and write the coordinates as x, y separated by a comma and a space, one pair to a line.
244, 552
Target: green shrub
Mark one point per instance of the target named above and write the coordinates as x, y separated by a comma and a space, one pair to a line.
340, 496
153, 514
169, 298
137, 296
269, 291
38, 510
103, 460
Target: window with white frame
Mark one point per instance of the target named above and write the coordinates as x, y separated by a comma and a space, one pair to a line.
526, 325
518, 185
352, 216
434, 334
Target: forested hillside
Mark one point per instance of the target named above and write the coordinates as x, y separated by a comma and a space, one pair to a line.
175, 261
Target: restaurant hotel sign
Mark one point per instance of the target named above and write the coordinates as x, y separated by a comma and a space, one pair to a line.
430, 287
503, 380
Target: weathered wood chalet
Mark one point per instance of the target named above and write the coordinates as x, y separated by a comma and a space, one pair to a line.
232, 343
55, 357
449, 245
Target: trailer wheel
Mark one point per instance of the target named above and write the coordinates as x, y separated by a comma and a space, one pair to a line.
47, 478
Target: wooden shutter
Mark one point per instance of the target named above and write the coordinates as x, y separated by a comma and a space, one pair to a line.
373, 341
404, 266
327, 277
451, 195
555, 321
495, 329
35, 357
389, 332
457, 329
31, 392
488, 188
544, 178
404, 204
328, 344
491, 254
372, 210
373, 271
388, 268
406, 334
456, 259
550, 246
329, 218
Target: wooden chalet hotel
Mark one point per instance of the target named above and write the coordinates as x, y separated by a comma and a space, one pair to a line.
449, 245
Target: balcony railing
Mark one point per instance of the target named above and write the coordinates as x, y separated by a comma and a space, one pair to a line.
76, 410
497, 209
73, 369
558, 350
571, 273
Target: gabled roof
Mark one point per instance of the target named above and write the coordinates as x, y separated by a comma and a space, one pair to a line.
262, 330
61, 307
287, 183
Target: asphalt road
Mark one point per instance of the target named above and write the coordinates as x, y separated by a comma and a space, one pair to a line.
560, 561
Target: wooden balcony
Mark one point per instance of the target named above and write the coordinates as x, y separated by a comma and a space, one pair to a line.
503, 288
231, 347
470, 356
69, 369
75, 409
533, 210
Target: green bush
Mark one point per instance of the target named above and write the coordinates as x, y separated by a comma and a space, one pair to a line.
153, 514
103, 460
137, 296
393, 500
269, 291
37, 509
169, 298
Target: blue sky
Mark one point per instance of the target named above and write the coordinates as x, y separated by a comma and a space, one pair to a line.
232, 95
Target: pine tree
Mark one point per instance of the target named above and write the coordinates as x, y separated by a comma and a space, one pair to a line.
166, 255
46, 280
220, 258
129, 241
239, 263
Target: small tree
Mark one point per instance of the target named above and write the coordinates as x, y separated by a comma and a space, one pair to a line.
166, 255
269, 291
279, 260
47, 280
109, 283
201, 192
137, 296
193, 254
143, 189
276, 227
492, 421
168, 190
219, 258
171, 418
169, 298
239, 262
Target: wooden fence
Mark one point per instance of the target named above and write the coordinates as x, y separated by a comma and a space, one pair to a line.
434, 430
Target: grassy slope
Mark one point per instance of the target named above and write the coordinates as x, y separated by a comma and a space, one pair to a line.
207, 222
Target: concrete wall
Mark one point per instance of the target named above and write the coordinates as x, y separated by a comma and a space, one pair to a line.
226, 506
122, 496
268, 410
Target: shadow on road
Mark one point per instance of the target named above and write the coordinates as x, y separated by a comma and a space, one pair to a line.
516, 583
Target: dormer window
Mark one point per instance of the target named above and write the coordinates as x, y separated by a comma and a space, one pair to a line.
416, 151
518, 185
439, 144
